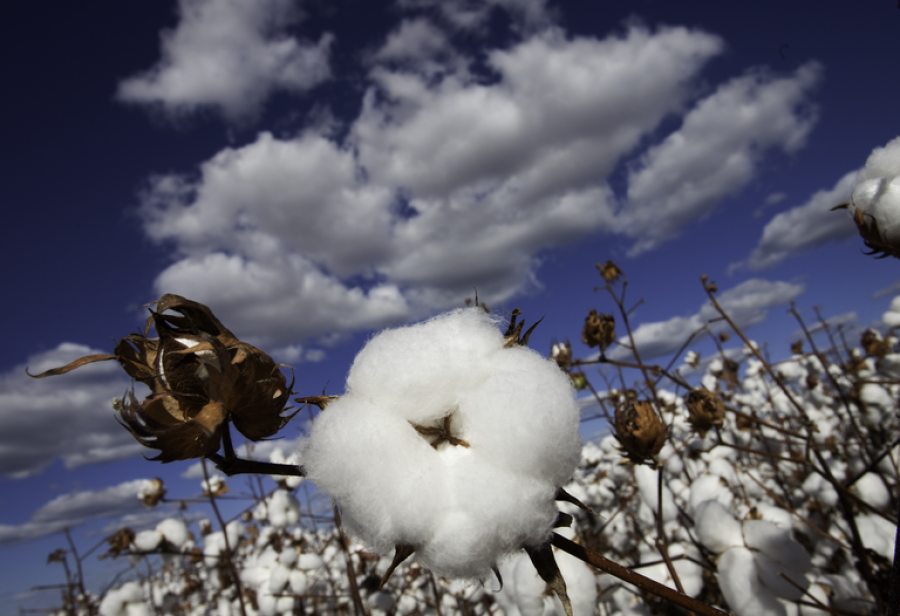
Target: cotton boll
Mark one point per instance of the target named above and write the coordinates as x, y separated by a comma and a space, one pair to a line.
308, 562
299, 582
745, 594
776, 515
278, 579
716, 527
147, 540
137, 609
709, 487
776, 543
174, 531
283, 509
871, 489
485, 492
817, 593
877, 534
647, 479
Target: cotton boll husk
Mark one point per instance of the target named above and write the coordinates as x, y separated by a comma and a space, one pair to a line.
776, 543
745, 594
647, 479
877, 534
871, 489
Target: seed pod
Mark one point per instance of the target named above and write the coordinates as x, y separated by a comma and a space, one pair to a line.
705, 410
640, 432
599, 330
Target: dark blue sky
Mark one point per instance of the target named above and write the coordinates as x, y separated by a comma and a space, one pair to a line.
417, 149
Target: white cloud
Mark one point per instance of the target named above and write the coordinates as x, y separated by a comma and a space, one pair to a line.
443, 184
67, 416
715, 152
805, 227
75, 508
746, 304
230, 55
892, 289
472, 15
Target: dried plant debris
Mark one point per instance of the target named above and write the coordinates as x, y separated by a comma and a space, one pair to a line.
705, 410
599, 330
200, 376
640, 432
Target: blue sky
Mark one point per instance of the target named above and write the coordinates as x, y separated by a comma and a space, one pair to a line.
318, 170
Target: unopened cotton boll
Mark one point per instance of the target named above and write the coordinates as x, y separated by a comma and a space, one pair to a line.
448, 441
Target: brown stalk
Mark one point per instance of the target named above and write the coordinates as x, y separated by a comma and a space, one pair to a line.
234, 572
632, 577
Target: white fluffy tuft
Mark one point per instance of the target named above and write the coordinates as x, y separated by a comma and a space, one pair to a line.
462, 508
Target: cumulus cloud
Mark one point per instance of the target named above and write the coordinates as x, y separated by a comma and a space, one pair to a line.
804, 227
230, 55
441, 185
525, 15
75, 508
716, 152
68, 416
746, 304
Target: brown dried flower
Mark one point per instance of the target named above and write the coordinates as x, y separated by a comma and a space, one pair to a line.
705, 410
599, 330
639, 431
609, 271
201, 376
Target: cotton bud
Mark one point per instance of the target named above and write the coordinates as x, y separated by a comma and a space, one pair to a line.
875, 204
640, 431
705, 410
599, 330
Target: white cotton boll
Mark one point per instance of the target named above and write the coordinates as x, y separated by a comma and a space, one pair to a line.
299, 582
308, 562
769, 571
818, 593
709, 487
174, 531
278, 579
877, 534
776, 515
647, 479
137, 609
871, 489
745, 594
267, 604
462, 508
776, 543
234, 529
724, 469
223, 607
288, 557
791, 370
817, 487
716, 527
147, 540
283, 509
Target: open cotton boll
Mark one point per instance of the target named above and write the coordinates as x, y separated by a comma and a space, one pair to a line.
147, 540
871, 489
174, 531
448, 441
877, 534
283, 509
740, 584
647, 479
776, 543
716, 527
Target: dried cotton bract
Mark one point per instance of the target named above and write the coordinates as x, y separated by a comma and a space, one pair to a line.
448, 443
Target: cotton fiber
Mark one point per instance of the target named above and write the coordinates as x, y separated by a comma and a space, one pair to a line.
448, 441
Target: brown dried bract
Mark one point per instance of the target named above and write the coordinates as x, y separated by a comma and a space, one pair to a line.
639, 431
119, 542
151, 499
599, 330
200, 376
609, 271
874, 345
562, 354
872, 236
705, 410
